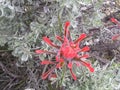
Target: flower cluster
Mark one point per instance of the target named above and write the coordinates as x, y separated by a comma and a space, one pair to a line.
68, 53
115, 21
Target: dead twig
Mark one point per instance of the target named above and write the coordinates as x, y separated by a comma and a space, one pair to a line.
7, 71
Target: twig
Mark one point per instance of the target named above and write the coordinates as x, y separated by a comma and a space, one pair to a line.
8, 72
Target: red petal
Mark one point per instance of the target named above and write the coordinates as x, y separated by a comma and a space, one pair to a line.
88, 65
85, 49
115, 37
39, 51
70, 65
66, 41
114, 20
49, 42
44, 51
81, 37
45, 75
91, 69
46, 62
67, 24
73, 75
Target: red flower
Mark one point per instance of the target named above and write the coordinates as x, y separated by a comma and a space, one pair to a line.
115, 37
67, 53
114, 20
55, 64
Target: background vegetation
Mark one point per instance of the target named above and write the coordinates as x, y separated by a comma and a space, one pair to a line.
23, 23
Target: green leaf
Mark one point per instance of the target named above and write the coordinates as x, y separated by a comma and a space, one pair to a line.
24, 57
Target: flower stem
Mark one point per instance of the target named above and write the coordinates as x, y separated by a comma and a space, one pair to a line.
59, 23
63, 74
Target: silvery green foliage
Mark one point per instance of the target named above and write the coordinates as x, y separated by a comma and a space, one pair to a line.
7, 24
26, 21
23, 23
6, 10
104, 78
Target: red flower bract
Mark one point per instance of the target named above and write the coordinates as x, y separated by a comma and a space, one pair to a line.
114, 20
115, 37
67, 53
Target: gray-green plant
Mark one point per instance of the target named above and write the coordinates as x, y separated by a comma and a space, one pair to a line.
23, 23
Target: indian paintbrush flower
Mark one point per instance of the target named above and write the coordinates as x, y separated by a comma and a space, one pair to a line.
114, 20
67, 53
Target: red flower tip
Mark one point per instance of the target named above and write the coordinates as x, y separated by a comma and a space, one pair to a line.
88, 65
73, 75
49, 42
81, 37
114, 20
67, 23
115, 37
39, 51
45, 75
85, 49
91, 69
